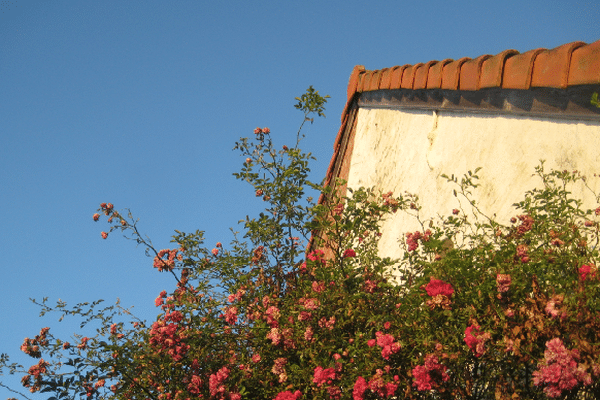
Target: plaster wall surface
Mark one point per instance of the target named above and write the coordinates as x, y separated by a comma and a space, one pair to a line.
408, 151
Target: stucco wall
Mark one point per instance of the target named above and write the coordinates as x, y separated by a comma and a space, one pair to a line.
406, 150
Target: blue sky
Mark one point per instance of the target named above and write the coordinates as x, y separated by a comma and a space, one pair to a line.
139, 103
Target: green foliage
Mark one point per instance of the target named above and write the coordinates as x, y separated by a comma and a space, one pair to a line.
594, 100
301, 304
311, 102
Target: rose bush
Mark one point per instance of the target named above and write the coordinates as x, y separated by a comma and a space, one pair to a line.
303, 306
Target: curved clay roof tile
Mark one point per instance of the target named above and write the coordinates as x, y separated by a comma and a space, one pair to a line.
518, 70
470, 73
408, 77
421, 75
451, 73
492, 69
353, 82
386, 78
585, 65
434, 79
551, 67
396, 76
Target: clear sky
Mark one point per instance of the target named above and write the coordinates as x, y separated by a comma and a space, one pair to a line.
139, 103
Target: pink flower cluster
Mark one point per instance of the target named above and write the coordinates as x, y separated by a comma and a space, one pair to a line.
560, 370
441, 292
323, 375
390, 201
215, 383
327, 323
83, 344
317, 256
412, 239
526, 224
165, 259
231, 315
430, 375
287, 395
272, 316
387, 344
522, 253
258, 131
169, 338
237, 296
587, 270
376, 385
370, 286
35, 371
279, 369
503, 282
476, 339
318, 287
310, 304
160, 299
275, 336
107, 209
437, 287
349, 253
553, 307
31, 347
195, 385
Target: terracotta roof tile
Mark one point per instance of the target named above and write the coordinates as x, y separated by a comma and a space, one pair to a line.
470, 73
421, 75
354, 80
451, 73
375, 80
363, 86
408, 77
585, 64
551, 67
492, 69
434, 78
396, 78
386, 78
518, 69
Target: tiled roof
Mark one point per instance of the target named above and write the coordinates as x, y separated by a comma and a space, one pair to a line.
566, 68
571, 64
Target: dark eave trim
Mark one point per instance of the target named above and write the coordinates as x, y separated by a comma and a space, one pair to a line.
570, 103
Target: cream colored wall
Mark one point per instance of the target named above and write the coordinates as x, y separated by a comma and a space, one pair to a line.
405, 150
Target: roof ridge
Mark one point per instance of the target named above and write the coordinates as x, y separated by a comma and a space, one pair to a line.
570, 64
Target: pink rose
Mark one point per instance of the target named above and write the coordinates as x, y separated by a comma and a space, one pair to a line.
349, 253
587, 270
503, 282
436, 287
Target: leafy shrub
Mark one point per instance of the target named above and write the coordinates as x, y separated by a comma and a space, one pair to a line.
474, 310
